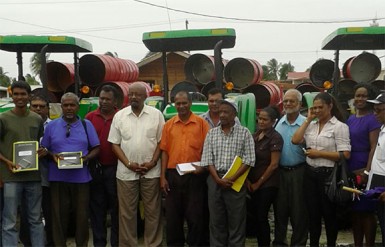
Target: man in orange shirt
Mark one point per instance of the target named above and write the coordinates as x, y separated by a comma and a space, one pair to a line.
182, 141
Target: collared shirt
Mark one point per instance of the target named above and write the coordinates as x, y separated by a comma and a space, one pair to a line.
220, 149
183, 141
270, 142
102, 127
378, 162
56, 141
291, 154
138, 137
206, 116
334, 137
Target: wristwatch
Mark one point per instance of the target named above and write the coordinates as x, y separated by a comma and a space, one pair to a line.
366, 172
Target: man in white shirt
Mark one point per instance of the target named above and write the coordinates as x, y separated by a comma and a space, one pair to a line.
135, 135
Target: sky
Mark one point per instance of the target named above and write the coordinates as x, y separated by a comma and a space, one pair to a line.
289, 31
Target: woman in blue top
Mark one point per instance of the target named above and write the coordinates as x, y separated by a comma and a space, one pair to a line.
364, 129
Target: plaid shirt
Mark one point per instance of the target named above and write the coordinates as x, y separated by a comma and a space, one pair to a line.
220, 149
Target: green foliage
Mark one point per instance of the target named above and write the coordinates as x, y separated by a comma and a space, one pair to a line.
35, 63
285, 68
5, 80
273, 70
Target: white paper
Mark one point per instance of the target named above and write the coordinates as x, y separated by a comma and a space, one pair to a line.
25, 153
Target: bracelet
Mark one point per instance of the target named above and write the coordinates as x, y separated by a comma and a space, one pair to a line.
366, 172
129, 164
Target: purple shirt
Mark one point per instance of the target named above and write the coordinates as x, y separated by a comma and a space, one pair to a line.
55, 141
359, 129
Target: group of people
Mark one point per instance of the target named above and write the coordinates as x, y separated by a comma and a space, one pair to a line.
131, 155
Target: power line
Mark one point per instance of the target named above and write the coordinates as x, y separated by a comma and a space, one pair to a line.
256, 20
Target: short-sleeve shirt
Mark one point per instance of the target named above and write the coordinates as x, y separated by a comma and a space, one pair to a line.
15, 128
220, 148
55, 141
138, 137
183, 141
359, 128
291, 154
102, 127
206, 116
378, 161
333, 137
270, 142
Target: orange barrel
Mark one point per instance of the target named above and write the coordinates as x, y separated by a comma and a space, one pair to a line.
59, 75
94, 69
200, 68
307, 87
379, 84
183, 86
321, 71
123, 90
345, 90
266, 93
71, 88
365, 67
53, 97
243, 72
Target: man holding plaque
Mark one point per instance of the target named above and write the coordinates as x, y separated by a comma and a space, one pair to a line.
20, 125
71, 142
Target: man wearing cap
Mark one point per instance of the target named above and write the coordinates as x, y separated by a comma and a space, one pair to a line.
214, 96
377, 172
227, 207
182, 141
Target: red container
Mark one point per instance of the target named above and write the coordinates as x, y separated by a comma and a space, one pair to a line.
345, 90
123, 90
183, 86
379, 84
266, 93
200, 68
365, 68
53, 97
94, 69
243, 72
60, 76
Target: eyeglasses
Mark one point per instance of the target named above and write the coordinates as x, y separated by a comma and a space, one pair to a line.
378, 110
68, 132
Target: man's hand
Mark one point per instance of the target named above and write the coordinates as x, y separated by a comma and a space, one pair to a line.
146, 167
224, 182
382, 197
42, 151
11, 166
164, 185
199, 169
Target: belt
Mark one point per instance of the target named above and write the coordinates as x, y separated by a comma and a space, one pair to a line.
292, 168
321, 169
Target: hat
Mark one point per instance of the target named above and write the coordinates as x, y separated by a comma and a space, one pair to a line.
231, 103
379, 100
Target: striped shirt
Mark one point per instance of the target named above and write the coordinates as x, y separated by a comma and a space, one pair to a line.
333, 137
220, 149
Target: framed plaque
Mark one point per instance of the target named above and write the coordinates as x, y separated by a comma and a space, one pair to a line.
25, 156
70, 160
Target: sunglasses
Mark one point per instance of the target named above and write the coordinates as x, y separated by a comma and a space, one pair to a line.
68, 132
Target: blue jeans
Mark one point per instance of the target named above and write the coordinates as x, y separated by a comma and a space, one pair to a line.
31, 193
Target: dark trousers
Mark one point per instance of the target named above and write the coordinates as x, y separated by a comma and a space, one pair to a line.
227, 215
381, 220
1, 216
24, 235
261, 201
185, 200
67, 197
290, 205
319, 206
103, 198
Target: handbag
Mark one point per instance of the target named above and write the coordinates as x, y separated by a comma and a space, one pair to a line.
339, 177
94, 166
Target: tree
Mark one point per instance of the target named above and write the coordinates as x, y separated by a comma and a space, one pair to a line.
273, 68
31, 80
35, 63
285, 68
267, 76
111, 54
5, 80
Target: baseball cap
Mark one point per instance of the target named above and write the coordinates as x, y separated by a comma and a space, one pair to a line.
231, 103
379, 100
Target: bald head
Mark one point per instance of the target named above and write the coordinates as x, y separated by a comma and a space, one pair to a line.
137, 94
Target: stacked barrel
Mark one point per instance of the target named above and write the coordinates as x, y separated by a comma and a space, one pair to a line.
95, 70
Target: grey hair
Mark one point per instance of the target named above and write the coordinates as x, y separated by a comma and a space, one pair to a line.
298, 93
70, 95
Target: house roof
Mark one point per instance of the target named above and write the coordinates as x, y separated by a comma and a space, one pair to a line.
297, 75
158, 55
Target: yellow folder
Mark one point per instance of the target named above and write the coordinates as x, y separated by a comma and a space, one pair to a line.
237, 163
